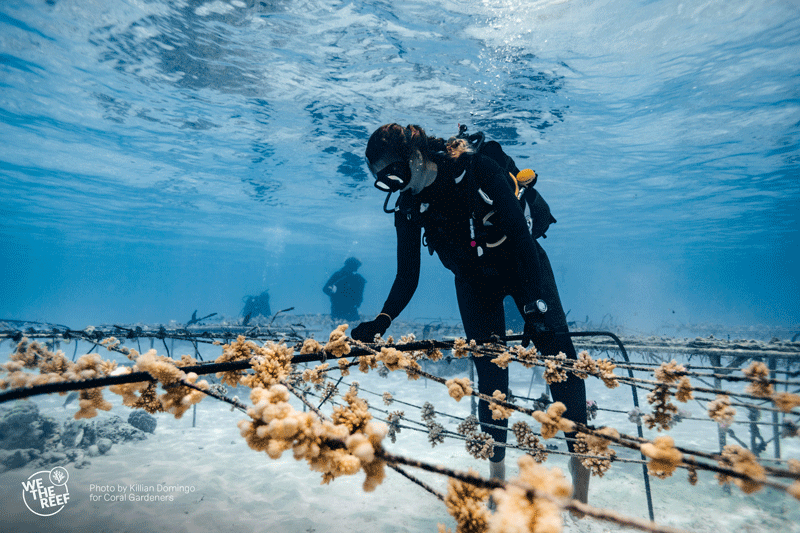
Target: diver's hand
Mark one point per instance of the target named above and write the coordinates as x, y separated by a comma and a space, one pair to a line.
536, 332
366, 331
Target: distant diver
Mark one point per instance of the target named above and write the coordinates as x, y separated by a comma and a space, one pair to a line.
345, 288
256, 306
469, 198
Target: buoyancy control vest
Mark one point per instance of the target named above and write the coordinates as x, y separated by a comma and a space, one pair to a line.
462, 229
523, 181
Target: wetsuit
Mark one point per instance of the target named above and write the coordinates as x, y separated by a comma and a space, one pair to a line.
347, 295
518, 267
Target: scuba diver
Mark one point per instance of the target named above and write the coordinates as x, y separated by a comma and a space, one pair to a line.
346, 291
255, 306
473, 219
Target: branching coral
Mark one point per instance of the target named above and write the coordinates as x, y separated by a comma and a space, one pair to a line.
330, 391
605, 369
316, 375
435, 432
428, 412
598, 446
139, 395
55, 368
760, 386
179, 398
794, 488
461, 348
468, 426
394, 419
552, 421
393, 359
720, 410
499, 412
337, 342
664, 458
239, 350
344, 367
271, 364
186, 360
413, 369
585, 365
110, 343
684, 392
367, 362
408, 338
527, 439
669, 373
90, 401
480, 445
56, 363
351, 441
28, 354
663, 410
502, 360
459, 387
355, 415
466, 503
310, 346
517, 512
786, 401
554, 369
744, 462
149, 400
88, 366
434, 354
17, 378
528, 357
332, 448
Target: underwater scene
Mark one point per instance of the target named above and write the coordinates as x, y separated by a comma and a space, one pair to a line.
437, 266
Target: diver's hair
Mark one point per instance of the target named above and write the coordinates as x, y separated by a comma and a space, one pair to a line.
456, 147
395, 141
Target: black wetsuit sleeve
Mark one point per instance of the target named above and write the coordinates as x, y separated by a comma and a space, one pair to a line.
510, 218
408, 260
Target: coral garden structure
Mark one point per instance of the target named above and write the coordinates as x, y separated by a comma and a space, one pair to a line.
342, 434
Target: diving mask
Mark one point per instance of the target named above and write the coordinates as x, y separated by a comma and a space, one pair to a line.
393, 177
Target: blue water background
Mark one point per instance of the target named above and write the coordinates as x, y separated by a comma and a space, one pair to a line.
160, 157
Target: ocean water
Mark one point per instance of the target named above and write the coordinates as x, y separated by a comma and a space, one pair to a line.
158, 157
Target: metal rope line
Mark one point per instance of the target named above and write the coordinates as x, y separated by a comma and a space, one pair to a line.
640, 383
630, 443
690, 367
748, 422
458, 436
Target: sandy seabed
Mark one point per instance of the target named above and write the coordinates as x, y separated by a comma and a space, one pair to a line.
206, 478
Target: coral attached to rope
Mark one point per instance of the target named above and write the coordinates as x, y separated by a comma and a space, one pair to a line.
350, 440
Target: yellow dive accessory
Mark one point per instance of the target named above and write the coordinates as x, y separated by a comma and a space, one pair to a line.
524, 178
